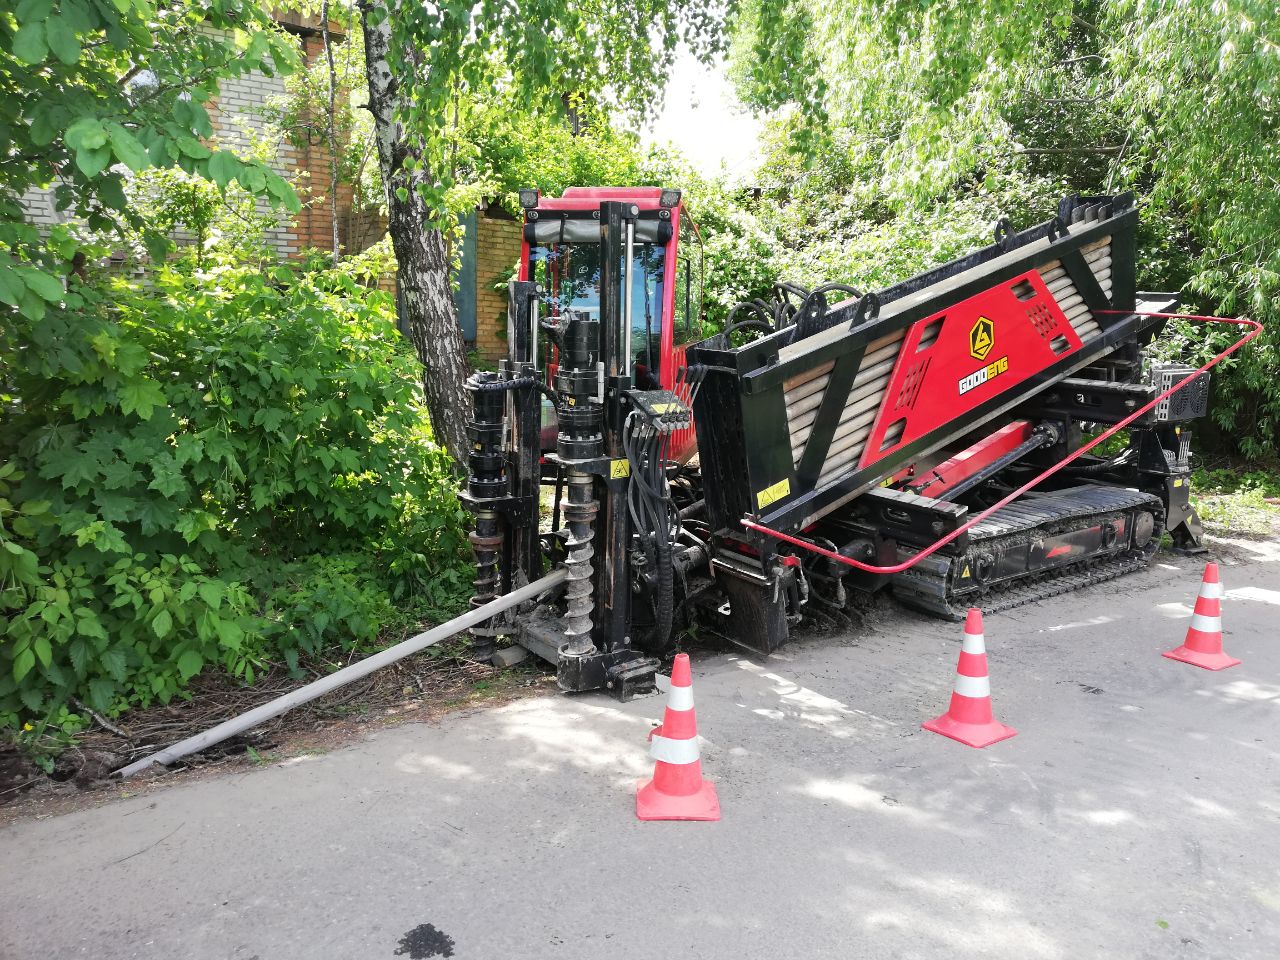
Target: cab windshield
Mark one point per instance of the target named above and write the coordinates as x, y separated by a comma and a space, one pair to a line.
569, 273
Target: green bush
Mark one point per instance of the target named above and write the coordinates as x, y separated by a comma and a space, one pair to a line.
220, 468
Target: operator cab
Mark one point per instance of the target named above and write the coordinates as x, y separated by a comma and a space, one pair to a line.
561, 251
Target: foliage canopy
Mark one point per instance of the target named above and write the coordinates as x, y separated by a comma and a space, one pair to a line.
166, 505
1178, 100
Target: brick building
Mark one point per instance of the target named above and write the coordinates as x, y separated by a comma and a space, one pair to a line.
239, 116
490, 249
241, 123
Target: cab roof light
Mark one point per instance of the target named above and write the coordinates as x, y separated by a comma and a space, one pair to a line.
529, 199
669, 198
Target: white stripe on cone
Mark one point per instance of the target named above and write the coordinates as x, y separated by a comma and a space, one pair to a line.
1211, 591
673, 751
972, 686
1206, 624
973, 643
680, 698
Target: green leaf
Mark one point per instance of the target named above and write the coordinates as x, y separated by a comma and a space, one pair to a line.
44, 286
131, 153
115, 663
62, 40
101, 693
29, 10
193, 148
79, 652
162, 624
11, 287
29, 44
87, 133
78, 14
189, 664
229, 634
89, 625
158, 246
211, 593
253, 178
223, 167
33, 700
93, 162
23, 663
279, 188
141, 396
111, 193
31, 306
43, 650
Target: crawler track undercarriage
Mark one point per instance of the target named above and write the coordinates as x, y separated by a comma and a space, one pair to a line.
1038, 547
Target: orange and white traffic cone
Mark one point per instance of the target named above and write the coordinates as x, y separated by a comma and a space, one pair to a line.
1203, 646
677, 790
969, 718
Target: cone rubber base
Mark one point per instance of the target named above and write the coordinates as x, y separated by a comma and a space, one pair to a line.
652, 805
1208, 661
970, 734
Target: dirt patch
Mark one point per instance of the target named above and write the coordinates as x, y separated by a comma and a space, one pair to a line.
418, 689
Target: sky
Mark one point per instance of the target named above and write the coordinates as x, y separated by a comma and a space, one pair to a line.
703, 118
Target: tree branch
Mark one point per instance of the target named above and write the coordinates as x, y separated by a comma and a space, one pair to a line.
102, 721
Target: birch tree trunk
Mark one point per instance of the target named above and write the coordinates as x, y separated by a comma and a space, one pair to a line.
426, 305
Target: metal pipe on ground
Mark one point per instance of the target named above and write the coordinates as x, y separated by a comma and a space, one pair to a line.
295, 698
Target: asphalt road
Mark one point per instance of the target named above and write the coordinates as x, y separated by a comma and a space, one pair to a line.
1135, 815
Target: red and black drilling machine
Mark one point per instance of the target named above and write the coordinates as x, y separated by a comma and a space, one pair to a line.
673, 480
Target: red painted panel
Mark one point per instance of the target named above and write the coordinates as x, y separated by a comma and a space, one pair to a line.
972, 459
972, 352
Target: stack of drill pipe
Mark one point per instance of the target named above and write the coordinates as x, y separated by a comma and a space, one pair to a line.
1060, 284
804, 392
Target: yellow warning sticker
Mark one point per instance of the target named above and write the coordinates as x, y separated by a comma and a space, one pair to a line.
1177, 483
663, 407
965, 572
773, 493
619, 469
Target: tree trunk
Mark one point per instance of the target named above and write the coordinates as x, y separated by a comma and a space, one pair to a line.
427, 311
330, 134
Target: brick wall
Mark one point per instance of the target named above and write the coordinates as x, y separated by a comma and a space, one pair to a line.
240, 125
313, 227
40, 209
239, 118
497, 250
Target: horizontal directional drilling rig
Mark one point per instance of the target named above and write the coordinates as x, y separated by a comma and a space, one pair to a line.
825, 442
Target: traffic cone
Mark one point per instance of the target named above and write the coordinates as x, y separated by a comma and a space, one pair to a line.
1203, 646
969, 719
677, 790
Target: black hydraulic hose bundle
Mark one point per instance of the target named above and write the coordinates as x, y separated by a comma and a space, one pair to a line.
654, 514
793, 306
